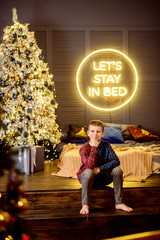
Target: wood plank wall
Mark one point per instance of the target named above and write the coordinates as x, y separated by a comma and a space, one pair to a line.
63, 49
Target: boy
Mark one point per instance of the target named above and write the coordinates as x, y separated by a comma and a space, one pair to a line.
99, 165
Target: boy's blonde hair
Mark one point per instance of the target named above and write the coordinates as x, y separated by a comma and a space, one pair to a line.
96, 123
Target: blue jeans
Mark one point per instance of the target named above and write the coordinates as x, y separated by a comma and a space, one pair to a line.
88, 179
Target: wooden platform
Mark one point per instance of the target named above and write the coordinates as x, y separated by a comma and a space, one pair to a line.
54, 205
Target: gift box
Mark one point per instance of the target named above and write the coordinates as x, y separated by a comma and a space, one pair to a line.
29, 159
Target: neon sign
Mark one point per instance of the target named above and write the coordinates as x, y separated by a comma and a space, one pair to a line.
107, 79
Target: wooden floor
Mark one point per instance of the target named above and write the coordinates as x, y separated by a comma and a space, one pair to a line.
43, 180
54, 204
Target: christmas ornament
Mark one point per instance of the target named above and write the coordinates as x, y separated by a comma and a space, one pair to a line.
53, 102
12, 133
27, 52
29, 110
21, 82
51, 87
11, 71
46, 84
25, 75
15, 35
30, 76
25, 134
30, 97
14, 96
16, 78
2, 84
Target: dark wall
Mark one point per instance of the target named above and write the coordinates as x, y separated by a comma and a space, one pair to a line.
82, 12
131, 16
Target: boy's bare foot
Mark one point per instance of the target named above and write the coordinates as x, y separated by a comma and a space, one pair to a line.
124, 207
85, 209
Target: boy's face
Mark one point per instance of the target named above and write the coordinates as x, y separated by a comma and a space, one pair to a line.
95, 133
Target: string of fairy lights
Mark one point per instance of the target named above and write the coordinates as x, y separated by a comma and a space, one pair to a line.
13, 202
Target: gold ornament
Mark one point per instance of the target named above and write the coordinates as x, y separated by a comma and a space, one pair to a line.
5, 101
12, 133
6, 94
30, 76
11, 71
16, 78
18, 108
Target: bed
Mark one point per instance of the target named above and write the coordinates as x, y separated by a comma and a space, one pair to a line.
138, 150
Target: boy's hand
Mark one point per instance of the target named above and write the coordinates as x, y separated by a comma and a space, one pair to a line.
94, 142
96, 170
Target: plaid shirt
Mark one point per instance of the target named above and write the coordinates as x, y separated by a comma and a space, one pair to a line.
102, 156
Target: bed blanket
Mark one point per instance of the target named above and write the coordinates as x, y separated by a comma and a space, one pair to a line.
136, 162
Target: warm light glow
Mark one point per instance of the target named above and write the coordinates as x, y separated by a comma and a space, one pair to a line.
107, 65
20, 203
9, 237
27, 92
108, 79
121, 91
1, 217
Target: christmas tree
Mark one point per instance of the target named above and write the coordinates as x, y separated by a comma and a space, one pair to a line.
27, 92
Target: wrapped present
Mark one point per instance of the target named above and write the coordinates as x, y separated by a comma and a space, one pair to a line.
29, 159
